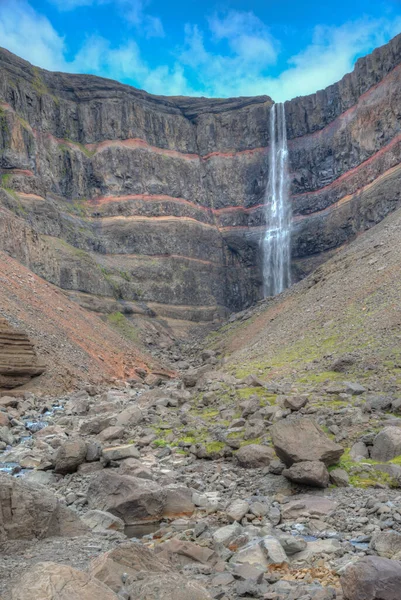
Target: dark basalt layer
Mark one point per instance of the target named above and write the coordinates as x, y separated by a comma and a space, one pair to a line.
158, 202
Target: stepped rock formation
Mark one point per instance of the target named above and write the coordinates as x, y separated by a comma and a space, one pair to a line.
18, 359
156, 204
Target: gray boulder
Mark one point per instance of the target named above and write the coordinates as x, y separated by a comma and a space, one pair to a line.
312, 473
254, 456
69, 456
302, 440
372, 578
387, 544
387, 444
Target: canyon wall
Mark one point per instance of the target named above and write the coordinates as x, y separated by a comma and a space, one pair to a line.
154, 205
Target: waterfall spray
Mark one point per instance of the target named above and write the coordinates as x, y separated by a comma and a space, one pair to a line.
277, 237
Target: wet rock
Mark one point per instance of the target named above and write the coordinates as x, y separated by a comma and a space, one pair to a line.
387, 444
254, 456
372, 578
48, 581
69, 456
312, 473
302, 440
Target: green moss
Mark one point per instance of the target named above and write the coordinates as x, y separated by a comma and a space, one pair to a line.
214, 447
321, 377
160, 443
121, 324
249, 442
38, 83
363, 477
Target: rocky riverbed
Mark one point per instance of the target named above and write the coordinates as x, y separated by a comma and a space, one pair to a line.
196, 486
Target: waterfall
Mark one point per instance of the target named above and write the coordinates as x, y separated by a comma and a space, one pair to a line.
276, 241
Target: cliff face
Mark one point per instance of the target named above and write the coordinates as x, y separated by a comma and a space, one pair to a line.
157, 203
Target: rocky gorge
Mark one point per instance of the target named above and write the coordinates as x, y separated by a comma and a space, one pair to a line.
141, 458
135, 202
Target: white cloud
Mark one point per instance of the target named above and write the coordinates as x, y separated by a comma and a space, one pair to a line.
232, 58
331, 54
30, 35
126, 63
132, 11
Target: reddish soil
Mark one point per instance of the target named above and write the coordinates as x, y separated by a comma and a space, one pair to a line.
76, 345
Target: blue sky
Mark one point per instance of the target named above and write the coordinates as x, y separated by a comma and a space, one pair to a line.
282, 48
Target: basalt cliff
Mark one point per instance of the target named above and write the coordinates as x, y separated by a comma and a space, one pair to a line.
151, 205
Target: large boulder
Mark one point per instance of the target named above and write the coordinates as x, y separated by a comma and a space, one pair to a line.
29, 511
387, 544
128, 558
136, 500
254, 456
312, 473
70, 455
167, 586
302, 440
387, 444
51, 581
372, 578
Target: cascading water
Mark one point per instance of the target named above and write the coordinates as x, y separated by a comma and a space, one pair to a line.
276, 241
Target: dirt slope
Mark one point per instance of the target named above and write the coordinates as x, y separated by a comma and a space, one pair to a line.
75, 344
350, 305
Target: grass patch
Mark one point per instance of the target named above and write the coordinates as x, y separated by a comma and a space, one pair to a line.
124, 327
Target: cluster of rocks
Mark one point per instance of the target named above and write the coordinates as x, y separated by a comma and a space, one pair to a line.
225, 480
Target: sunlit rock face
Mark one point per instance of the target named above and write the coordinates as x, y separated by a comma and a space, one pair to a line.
112, 193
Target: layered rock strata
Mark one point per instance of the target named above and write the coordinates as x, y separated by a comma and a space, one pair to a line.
18, 359
156, 203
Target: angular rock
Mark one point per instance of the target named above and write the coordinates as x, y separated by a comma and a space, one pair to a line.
254, 456
302, 440
354, 388
69, 456
339, 477
274, 551
359, 451
295, 403
237, 510
387, 444
167, 586
128, 558
99, 520
292, 544
136, 500
372, 578
387, 544
312, 473
225, 535
316, 506
51, 581
121, 452
29, 511
182, 552
130, 417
